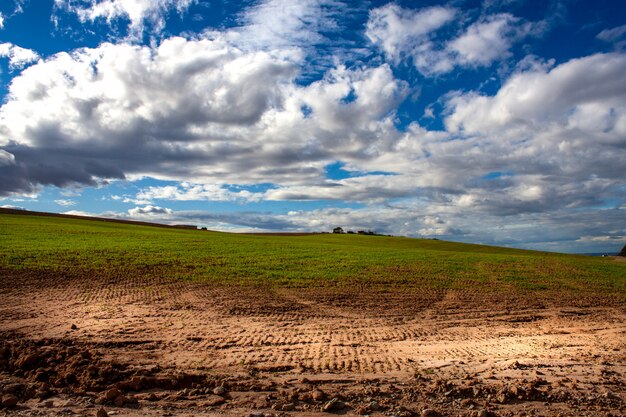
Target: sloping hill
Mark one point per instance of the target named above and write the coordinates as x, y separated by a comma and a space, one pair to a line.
84, 245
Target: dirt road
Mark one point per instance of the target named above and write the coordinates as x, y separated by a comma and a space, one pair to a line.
154, 347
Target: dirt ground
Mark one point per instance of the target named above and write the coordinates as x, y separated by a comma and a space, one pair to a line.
75, 345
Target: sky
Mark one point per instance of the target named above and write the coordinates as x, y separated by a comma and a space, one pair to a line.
493, 122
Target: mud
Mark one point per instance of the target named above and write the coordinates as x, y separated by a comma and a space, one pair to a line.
75, 344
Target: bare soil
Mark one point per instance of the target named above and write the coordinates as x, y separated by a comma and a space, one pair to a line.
145, 346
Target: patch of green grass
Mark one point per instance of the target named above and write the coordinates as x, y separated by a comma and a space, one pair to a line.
62, 244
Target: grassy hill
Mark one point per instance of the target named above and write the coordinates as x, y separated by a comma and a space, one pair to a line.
73, 245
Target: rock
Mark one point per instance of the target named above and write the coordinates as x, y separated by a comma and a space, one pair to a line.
74, 327
135, 383
333, 405
288, 407
466, 402
221, 390
120, 400
318, 395
429, 412
9, 400
102, 413
112, 394
27, 361
623, 251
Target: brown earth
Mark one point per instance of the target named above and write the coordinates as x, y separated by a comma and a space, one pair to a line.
75, 344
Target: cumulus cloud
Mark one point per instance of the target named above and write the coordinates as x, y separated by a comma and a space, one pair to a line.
18, 57
138, 12
403, 32
405, 35
1, 21
196, 192
148, 211
198, 110
488, 40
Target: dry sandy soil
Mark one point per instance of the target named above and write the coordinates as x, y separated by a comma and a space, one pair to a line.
73, 345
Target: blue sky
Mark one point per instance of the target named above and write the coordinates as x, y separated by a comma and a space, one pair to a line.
497, 122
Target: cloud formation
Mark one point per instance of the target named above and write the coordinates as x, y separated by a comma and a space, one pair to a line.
405, 35
18, 57
138, 12
616, 36
200, 110
228, 115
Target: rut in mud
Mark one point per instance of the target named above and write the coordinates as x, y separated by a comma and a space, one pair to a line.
450, 351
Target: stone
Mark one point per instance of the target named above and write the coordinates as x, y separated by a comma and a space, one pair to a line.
333, 405
119, 401
288, 407
74, 327
102, 413
112, 394
318, 395
221, 390
429, 412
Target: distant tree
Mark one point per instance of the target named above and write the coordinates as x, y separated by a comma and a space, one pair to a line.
338, 230
623, 252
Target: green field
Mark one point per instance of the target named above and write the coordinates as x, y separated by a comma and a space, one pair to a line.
122, 250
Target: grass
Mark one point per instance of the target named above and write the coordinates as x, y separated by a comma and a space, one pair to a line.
87, 246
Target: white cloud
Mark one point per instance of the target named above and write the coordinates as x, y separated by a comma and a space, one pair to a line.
197, 110
615, 36
603, 239
149, 211
138, 12
18, 57
487, 40
80, 213
409, 35
585, 94
283, 24
1, 21
195, 192
65, 203
9, 206
401, 32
